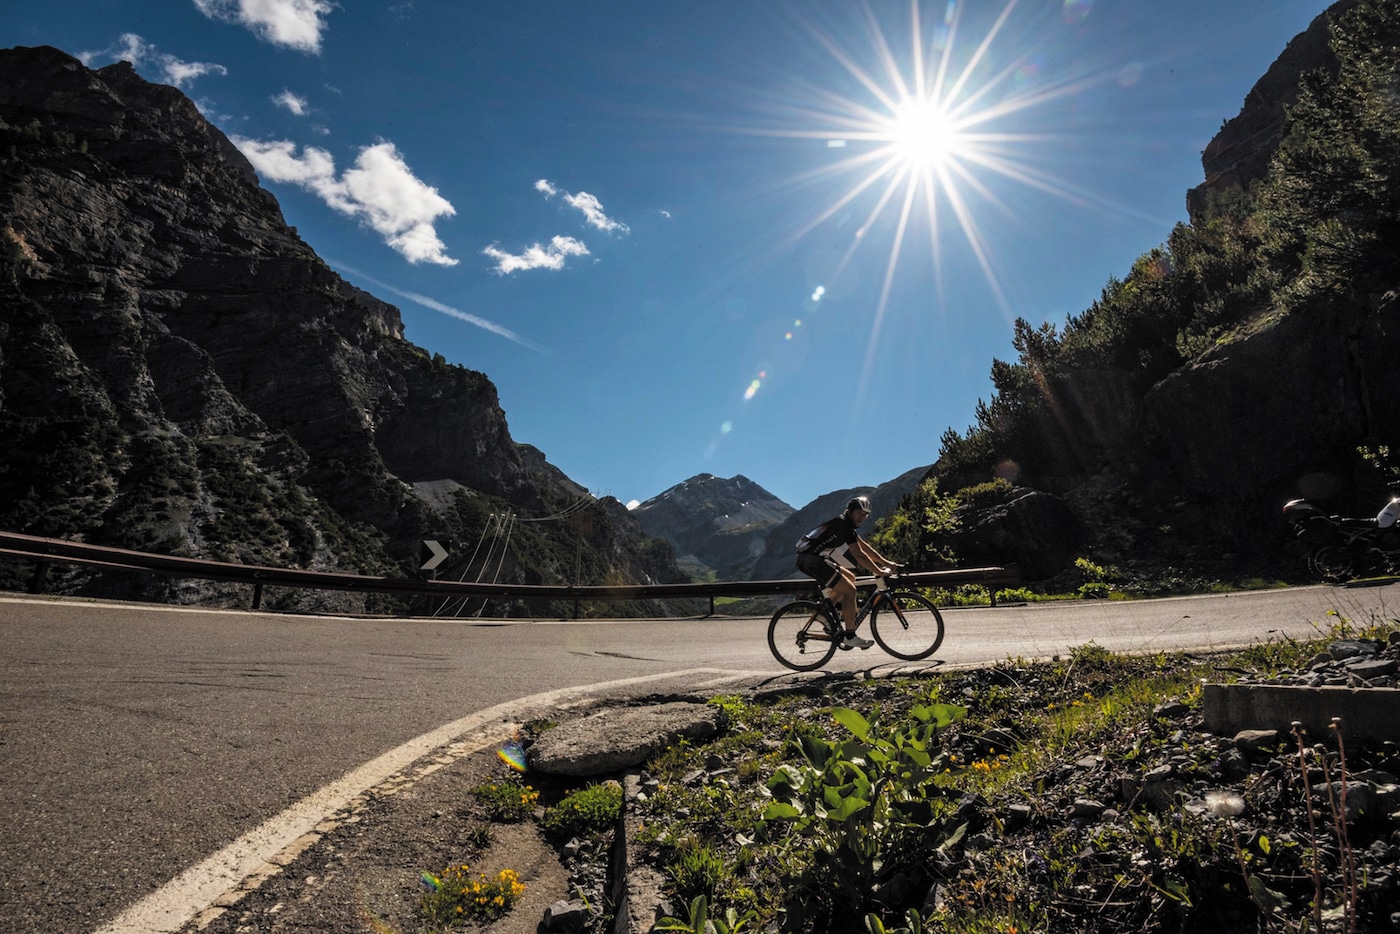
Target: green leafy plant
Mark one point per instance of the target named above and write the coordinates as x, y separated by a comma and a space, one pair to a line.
586, 812
506, 801
914, 924
700, 922
868, 804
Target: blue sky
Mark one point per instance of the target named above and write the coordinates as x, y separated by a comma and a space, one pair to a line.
781, 239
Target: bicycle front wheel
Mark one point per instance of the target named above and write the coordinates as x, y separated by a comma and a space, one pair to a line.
907, 626
798, 636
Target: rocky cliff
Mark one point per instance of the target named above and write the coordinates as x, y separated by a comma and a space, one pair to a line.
180, 372
1279, 406
1239, 154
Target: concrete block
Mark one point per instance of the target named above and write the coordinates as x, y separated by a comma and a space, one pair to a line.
1368, 714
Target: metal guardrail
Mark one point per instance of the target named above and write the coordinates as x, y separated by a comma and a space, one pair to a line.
48, 551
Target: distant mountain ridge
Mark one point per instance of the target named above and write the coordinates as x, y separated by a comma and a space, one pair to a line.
716, 526
777, 560
737, 530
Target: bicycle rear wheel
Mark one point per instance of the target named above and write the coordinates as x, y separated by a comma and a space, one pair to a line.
907, 626
798, 636
1335, 564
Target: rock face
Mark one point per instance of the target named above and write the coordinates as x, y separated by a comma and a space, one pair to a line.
1241, 151
721, 525
1177, 456
1232, 422
1034, 530
180, 372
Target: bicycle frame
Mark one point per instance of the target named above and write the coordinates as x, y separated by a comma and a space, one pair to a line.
831, 611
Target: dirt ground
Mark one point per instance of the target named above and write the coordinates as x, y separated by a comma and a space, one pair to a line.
364, 875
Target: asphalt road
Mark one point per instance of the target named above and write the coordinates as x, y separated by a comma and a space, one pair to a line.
136, 741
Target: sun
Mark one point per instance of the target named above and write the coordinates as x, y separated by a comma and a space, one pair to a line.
923, 135
931, 124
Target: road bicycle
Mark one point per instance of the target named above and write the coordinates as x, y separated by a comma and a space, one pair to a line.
803, 634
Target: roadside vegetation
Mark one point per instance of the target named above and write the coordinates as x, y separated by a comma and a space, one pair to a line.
1010, 799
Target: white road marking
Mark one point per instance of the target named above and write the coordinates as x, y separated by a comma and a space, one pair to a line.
261, 852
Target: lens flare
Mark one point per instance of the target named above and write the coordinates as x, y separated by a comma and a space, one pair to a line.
513, 755
1076, 11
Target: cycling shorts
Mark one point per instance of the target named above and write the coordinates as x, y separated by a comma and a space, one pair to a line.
823, 570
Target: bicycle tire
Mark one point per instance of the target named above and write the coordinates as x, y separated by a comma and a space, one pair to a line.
788, 638
1335, 564
915, 627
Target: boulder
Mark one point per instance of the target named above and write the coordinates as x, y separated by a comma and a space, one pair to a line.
619, 738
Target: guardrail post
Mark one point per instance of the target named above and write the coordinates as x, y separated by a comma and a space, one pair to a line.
712, 604
38, 583
257, 596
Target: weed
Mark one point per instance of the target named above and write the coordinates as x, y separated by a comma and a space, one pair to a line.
480, 837
506, 801
586, 812
699, 872
455, 897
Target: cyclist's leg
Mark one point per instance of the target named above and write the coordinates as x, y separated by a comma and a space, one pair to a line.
843, 594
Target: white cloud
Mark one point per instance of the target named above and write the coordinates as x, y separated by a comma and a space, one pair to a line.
592, 210
293, 102
379, 189
132, 48
296, 24
591, 207
180, 72
537, 256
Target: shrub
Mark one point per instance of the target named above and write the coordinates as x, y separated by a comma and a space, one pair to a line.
586, 812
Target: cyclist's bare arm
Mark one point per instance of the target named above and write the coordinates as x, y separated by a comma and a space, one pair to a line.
873, 561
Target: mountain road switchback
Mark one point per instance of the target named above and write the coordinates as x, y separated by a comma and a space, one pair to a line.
152, 754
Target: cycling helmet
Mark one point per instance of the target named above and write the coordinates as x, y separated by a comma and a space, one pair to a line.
859, 502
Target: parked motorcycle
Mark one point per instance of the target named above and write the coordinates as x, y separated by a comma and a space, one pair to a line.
1339, 548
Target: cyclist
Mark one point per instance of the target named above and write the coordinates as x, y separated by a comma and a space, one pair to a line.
829, 554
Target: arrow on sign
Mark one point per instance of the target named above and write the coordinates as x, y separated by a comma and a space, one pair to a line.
432, 554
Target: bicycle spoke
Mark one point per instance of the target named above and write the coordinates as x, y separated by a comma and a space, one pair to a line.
798, 636
907, 626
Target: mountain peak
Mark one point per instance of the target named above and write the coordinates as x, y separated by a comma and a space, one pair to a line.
719, 523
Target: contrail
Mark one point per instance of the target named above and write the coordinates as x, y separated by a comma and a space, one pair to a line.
435, 305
